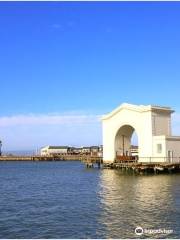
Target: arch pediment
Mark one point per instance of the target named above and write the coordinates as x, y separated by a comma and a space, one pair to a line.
136, 108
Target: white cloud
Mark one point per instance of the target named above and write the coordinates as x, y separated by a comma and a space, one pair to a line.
47, 119
23, 132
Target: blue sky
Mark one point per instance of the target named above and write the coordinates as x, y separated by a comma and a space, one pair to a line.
82, 59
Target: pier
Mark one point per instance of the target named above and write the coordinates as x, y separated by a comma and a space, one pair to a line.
83, 158
30, 158
133, 166
145, 168
125, 165
92, 161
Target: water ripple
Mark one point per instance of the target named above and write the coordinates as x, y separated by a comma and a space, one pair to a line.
65, 200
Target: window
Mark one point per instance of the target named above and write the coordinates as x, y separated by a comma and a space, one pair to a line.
159, 148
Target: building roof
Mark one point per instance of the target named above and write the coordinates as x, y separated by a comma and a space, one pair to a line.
73, 148
58, 147
137, 108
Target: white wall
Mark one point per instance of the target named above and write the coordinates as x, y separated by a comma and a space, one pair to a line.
159, 156
47, 151
142, 124
152, 125
173, 145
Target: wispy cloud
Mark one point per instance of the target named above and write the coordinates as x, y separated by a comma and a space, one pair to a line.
62, 26
48, 119
23, 132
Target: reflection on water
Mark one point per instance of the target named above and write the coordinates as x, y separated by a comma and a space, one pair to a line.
128, 201
66, 200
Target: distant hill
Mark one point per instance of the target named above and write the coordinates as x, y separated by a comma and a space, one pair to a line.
20, 153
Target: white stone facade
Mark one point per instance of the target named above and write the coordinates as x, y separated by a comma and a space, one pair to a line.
153, 128
53, 150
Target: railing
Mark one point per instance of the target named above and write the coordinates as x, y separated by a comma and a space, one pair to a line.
126, 159
130, 159
159, 159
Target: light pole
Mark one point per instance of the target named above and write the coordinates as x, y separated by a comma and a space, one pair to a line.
123, 144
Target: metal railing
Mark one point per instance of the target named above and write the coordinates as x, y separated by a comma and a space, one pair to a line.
129, 159
159, 159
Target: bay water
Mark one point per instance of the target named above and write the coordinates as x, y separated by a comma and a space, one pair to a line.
66, 200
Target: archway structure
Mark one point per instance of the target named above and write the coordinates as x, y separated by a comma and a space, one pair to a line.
153, 127
123, 141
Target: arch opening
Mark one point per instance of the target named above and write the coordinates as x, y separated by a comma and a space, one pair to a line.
126, 143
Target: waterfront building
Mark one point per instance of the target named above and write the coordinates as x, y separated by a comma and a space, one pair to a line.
94, 150
59, 150
54, 150
134, 151
86, 150
76, 150
152, 125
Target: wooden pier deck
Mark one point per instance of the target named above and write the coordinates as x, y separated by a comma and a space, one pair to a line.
90, 161
83, 158
28, 158
135, 167
132, 166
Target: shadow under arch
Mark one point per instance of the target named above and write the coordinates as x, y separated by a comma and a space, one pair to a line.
123, 141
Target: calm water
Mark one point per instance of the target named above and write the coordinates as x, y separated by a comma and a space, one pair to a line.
66, 200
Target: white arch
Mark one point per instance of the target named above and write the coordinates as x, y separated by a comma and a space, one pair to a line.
149, 122
122, 140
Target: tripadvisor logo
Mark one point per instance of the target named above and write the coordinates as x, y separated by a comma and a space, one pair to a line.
139, 231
